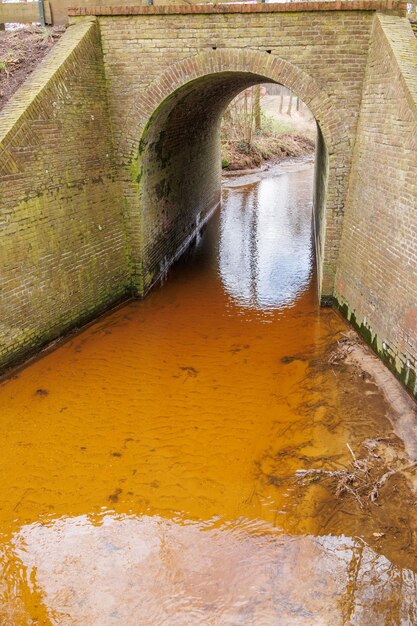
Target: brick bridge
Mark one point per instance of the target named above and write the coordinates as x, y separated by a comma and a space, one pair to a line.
110, 157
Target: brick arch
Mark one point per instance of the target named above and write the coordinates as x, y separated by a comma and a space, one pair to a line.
262, 64
167, 199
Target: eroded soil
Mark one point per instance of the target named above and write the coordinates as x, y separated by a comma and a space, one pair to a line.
20, 52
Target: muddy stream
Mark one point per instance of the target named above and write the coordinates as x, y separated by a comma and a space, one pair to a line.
209, 456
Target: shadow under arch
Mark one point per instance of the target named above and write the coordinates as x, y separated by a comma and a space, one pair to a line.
176, 163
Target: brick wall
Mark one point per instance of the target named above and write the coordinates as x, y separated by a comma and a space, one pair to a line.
376, 281
157, 52
63, 255
109, 158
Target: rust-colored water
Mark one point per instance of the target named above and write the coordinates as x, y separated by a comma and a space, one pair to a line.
147, 466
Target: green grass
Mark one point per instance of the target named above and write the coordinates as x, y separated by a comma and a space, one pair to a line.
275, 127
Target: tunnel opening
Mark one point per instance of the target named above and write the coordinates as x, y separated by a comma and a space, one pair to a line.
179, 170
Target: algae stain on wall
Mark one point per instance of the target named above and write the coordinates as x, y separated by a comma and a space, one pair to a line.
63, 253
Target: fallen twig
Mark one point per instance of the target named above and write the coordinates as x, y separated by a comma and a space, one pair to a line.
373, 496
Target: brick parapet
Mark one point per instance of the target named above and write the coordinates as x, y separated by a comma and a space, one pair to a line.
403, 47
34, 87
384, 6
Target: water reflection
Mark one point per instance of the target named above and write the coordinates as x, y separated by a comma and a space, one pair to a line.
265, 253
112, 569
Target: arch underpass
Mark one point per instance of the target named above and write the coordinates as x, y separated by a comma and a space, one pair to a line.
172, 70
110, 157
178, 167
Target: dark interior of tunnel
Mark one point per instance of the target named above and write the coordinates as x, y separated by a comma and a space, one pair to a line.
179, 171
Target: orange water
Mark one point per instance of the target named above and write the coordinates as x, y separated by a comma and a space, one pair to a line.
148, 465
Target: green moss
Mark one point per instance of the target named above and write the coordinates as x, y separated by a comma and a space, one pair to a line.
412, 380
327, 301
149, 278
139, 175
142, 144
343, 308
406, 375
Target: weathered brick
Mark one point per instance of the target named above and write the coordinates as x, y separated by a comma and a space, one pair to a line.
376, 280
109, 156
63, 253
320, 55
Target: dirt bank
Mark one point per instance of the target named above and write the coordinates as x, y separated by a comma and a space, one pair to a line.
266, 146
20, 52
284, 131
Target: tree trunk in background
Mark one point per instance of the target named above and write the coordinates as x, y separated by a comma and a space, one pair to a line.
227, 115
281, 104
290, 104
257, 107
246, 121
298, 103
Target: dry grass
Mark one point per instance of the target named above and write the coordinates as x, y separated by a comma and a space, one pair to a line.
250, 138
239, 154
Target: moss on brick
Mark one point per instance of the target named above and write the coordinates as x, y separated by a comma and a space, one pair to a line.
63, 253
406, 375
377, 262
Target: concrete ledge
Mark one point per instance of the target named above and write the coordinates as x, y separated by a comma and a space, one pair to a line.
20, 12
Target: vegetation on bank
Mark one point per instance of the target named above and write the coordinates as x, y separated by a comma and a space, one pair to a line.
20, 52
251, 135
265, 147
